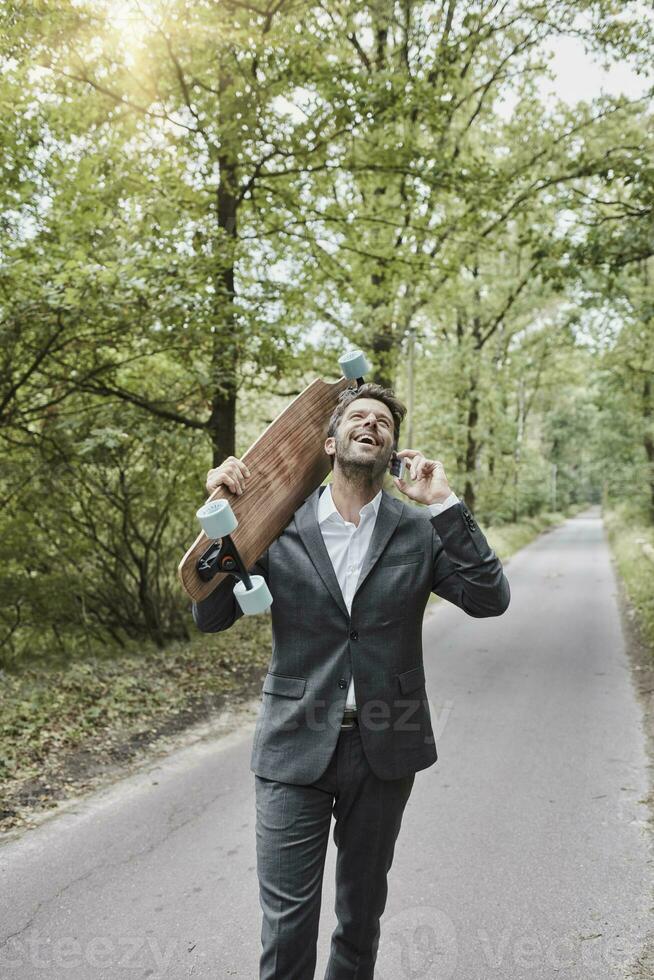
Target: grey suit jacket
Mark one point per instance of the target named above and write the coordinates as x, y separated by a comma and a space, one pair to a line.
317, 645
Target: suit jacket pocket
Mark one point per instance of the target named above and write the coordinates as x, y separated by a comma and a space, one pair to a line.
288, 687
410, 680
406, 558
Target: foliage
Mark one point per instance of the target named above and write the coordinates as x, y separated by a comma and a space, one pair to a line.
630, 529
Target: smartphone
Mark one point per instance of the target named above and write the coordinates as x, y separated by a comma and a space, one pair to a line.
396, 466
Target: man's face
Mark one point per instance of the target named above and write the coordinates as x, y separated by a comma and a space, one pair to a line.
364, 438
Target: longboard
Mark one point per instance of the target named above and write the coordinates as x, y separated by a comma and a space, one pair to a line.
286, 463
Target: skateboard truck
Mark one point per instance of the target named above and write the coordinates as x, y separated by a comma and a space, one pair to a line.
218, 521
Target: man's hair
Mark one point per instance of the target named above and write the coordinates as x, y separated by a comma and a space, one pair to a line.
368, 390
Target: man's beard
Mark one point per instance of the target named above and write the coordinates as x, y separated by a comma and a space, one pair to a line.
357, 469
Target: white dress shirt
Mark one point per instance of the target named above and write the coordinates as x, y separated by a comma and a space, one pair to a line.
348, 543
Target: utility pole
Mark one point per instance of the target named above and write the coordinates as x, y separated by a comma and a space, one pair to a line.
410, 383
554, 471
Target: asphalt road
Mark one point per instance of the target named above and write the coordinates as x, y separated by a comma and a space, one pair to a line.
524, 852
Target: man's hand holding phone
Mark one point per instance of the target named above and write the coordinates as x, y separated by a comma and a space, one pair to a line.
429, 484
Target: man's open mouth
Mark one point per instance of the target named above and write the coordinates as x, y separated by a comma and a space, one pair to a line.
365, 439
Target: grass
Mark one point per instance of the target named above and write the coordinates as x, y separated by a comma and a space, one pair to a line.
56, 723
628, 529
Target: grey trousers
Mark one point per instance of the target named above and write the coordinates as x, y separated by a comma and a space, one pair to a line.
292, 831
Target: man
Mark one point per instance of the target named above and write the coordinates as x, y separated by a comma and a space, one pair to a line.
344, 723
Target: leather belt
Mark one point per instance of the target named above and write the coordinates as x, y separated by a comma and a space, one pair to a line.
349, 718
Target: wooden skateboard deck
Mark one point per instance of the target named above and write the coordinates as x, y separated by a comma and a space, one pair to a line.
286, 463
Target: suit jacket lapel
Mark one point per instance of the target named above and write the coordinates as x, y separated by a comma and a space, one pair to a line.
390, 511
306, 521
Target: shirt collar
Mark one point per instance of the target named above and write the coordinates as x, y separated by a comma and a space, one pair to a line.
327, 508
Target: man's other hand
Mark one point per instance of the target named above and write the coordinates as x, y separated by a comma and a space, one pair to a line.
231, 473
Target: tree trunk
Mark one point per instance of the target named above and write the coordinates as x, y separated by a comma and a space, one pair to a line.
149, 608
383, 341
472, 442
518, 448
382, 351
222, 421
471, 445
648, 441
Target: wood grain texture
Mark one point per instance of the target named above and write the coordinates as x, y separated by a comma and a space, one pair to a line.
287, 462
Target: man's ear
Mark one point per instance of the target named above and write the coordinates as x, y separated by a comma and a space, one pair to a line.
330, 446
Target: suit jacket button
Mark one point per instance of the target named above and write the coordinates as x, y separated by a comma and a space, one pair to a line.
342, 682
354, 635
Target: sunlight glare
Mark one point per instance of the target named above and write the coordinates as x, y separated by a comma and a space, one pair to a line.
131, 20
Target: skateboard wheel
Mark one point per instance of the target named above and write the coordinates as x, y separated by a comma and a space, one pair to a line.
354, 364
217, 519
254, 600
